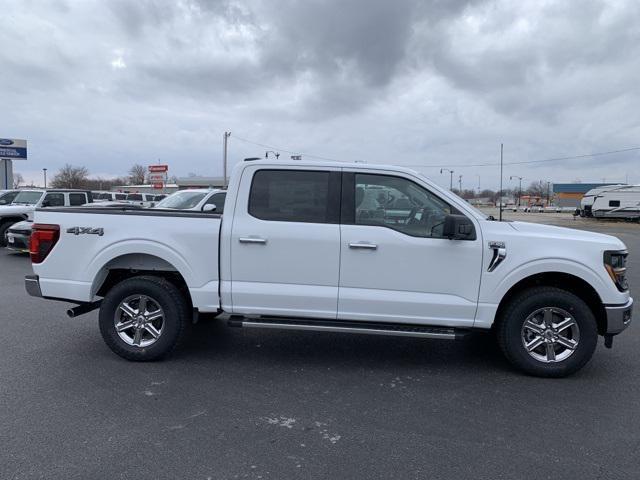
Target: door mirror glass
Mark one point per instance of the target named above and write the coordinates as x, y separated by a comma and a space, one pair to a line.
458, 227
209, 208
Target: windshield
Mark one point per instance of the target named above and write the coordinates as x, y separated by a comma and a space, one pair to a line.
28, 198
182, 200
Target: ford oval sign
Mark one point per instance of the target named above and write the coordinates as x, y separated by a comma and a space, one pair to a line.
5, 142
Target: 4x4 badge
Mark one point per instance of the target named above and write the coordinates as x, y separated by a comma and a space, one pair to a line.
86, 230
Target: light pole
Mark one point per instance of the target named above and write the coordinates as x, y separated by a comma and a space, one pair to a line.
519, 186
478, 183
266, 154
44, 171
460, 184
451, 176
224, 156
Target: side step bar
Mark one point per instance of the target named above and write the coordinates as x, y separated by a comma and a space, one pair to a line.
344, 326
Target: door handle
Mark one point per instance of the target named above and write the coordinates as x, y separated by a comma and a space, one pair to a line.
366, 246
252, 240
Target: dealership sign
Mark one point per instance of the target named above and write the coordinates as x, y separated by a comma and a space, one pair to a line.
156, 177
158, 168
13, 149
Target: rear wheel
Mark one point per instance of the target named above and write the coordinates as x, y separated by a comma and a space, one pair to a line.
547, 332
144, 318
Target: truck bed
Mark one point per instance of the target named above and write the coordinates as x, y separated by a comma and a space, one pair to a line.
94, 241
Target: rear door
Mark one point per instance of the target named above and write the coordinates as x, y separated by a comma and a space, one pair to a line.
285, 242
395, 264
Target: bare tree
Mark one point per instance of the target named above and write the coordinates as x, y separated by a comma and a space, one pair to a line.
70, 177
537, 189
137, 174
18, 180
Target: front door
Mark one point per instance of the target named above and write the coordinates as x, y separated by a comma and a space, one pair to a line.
395, 264
285, 242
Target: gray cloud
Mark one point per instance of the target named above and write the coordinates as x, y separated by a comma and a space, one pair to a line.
410, 81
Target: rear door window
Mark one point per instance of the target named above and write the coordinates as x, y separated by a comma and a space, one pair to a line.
293, 196
76, 199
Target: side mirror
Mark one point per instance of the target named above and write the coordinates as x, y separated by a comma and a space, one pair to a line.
209, 208
458, 227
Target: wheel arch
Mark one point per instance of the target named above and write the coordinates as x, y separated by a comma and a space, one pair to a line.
563, 281
132, 265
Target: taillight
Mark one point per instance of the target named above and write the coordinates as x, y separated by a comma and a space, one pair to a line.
43, 239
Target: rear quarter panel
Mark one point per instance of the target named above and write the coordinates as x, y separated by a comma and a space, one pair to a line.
189, 244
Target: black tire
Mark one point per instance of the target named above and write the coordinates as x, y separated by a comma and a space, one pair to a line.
177, 318
524, 304
3, 231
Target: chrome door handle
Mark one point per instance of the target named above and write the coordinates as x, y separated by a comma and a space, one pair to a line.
252, 240
367, 246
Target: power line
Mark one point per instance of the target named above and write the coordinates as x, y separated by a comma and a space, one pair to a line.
523, 162
459, 165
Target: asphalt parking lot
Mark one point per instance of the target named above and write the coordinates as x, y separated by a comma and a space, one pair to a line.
260, 404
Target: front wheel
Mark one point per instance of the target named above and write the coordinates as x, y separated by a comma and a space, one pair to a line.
144, 318
547, 332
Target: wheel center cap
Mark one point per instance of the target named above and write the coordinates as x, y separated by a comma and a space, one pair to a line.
140, 320
549, 334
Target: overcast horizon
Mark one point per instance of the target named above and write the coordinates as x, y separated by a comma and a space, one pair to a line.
106, 84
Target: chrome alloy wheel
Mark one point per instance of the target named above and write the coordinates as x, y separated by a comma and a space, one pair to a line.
139, 320
550, 334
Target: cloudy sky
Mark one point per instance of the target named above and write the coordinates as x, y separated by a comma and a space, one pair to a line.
424, 83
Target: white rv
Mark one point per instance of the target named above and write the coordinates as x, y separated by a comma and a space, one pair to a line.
619, 202
586, 203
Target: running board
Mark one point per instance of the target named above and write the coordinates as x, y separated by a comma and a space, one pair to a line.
340, 326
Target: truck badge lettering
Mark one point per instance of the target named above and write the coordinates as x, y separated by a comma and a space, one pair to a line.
86, 230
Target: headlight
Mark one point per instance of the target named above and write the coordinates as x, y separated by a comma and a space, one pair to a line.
616, 264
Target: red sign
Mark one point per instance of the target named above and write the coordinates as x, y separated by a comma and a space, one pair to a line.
158, 168
156, 177
158, 186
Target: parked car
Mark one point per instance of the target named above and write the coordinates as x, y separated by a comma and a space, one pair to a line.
299, 249
195, 200
7, 196
102, 196
141, 199
26, 201
18, 236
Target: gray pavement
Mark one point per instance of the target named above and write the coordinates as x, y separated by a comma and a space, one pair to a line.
280, 405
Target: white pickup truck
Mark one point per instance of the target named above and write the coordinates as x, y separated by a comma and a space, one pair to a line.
336, 247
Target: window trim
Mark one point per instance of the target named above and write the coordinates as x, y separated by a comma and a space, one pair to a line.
333, 194
348, 209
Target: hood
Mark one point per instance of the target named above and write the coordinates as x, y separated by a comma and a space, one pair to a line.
562, 233
15, 209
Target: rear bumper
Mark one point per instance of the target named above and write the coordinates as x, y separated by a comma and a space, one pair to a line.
17, 242
32, 285
618, 317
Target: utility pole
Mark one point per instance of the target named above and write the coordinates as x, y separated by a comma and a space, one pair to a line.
44, 171
478, 183
500, 193
224, 156
450, 178
519, 186
460, 184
